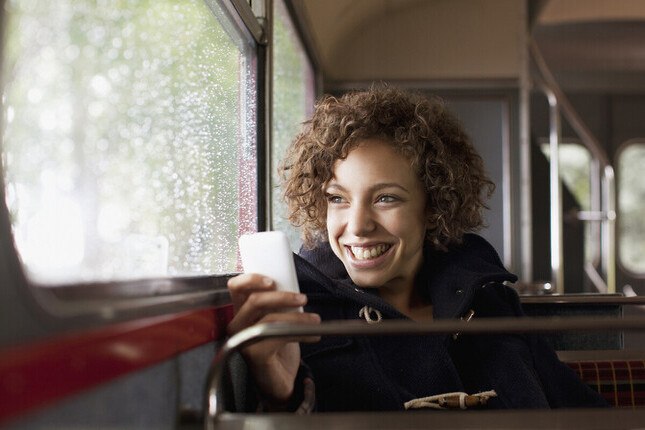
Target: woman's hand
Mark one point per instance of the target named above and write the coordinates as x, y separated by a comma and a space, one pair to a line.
274, 363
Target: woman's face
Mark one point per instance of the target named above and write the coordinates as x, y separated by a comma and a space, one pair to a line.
376, 216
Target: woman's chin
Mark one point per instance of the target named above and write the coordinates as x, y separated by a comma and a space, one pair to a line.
367, 279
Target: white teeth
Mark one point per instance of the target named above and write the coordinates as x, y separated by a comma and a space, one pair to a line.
367, 253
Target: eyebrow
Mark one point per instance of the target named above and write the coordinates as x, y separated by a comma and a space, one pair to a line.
375, 187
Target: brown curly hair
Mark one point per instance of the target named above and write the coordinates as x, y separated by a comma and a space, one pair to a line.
420, 128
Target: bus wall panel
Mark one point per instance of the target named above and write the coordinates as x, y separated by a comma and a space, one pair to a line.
41, 374
158, 397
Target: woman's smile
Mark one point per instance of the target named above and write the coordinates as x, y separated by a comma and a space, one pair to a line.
368, 252
368, 257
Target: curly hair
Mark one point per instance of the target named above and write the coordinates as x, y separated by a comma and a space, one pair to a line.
419, 128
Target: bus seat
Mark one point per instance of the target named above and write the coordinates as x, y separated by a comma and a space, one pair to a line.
574, 305
237, 390
620, 382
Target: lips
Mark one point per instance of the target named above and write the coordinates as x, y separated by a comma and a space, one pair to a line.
363, 253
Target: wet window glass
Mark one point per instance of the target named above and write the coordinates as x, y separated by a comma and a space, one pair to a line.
129, 138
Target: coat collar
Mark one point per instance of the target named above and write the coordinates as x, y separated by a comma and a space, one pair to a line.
452, 278
449, 279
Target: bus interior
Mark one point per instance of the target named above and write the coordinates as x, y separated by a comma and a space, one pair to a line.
140, 139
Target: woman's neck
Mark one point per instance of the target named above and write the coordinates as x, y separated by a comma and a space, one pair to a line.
408, 301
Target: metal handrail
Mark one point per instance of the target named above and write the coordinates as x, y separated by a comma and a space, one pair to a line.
607, 214
608, 227
260, 332
555, 188
584, 299
588, 139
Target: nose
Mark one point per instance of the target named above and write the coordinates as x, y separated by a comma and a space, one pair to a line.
361, 220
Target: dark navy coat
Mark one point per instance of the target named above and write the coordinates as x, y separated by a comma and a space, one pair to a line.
382, 373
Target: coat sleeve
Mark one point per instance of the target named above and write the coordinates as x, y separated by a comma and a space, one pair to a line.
239, 391
303, 400
561, 385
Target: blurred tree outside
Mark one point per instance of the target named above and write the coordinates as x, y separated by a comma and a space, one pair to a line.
122, 131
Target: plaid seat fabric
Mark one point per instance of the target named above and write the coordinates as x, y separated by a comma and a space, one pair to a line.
620, 382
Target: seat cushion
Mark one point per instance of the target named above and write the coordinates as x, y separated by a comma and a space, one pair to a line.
620, 382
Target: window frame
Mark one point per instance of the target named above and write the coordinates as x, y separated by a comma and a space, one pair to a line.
273, 163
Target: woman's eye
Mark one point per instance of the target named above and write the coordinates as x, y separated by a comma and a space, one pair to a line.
387, 199
334, 199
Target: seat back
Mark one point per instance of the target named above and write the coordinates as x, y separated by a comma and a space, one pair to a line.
620, 382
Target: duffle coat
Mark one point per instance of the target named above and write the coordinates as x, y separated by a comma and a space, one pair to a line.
382, 373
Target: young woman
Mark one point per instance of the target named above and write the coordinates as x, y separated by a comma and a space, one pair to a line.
387, 189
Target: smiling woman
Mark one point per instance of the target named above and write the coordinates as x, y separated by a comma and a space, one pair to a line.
388, 189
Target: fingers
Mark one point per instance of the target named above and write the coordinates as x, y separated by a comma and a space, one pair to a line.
258, 305
295, 318
264, 302
260, 352
292, 317
241, 286
269, 306
249, 280
256, 300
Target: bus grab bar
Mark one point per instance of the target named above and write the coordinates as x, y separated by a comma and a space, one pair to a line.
259, 332
606, 214
555, 191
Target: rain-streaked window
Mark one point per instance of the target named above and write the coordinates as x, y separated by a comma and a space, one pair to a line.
293, 98
631, 207
129, 138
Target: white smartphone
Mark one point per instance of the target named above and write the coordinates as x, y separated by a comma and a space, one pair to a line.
268, 253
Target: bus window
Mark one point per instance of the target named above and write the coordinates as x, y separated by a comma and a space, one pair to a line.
631, 207
129, 147
575, 172
293, 98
